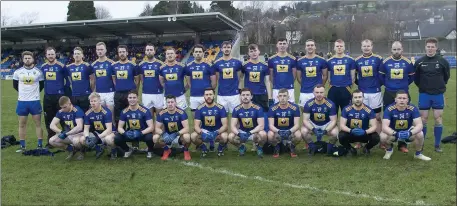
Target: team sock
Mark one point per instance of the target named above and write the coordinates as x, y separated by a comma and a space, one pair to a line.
329, 148
390, 149
418, 152
211, 144
438, 131
98, 148
40, 142
22, 142
277, 147
165, 148
311, 145
113, 151
424, 130
203, 147
70, 148
185, 149
220, 148
259, 147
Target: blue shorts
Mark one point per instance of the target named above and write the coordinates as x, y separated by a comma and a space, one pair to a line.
435, 101
24, 108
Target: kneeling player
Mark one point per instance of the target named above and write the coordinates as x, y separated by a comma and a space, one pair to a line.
358, 124
251, 125
98, 121
319, 117
70, 118
210, 124
402, 122
284, 123
176, 129
139, 123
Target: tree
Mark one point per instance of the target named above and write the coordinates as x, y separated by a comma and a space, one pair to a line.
147, 10
196, 8
226, 8
102, 12
161, 8
81, 10
24, 18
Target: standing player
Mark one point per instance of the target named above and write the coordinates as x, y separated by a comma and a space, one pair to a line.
28, 81
103, 77
228, 71
402, 122
98, 121
342, 76
172, 75
284, 120
311, 71
247, 124
138, 123
358, 124
125, 78
82, 80
210, 124
54, 87
367, 68
70, 117
283, 70
319, 117
152, 96
201, 76
257, 78
432, 75
172, 127
396, 73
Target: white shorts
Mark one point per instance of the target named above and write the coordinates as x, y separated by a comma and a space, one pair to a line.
229, 102
152, 100
304, 97
291, 95
181, 102
322, 127
72, 137
107, 98
196, 101
373, 100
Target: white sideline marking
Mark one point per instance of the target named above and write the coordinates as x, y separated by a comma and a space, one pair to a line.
299, 186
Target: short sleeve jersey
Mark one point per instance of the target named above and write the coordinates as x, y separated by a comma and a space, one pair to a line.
172, 121
211, 117
320, 113
247, 118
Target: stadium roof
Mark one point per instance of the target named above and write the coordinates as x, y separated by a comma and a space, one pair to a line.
158, 25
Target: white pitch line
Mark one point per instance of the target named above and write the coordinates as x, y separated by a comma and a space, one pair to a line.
299, 186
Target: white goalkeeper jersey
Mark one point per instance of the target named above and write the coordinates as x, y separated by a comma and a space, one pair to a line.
29, 86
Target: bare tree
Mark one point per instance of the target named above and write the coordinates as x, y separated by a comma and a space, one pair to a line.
6, 18
102, 12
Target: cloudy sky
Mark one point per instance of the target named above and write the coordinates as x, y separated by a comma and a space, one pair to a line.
56, 11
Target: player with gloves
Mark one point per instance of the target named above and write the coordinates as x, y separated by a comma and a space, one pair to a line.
210, 124
247, 124
319, 117
70, 118
98, 121
402, 122
138, 123
358, 124
284, 123
172, 127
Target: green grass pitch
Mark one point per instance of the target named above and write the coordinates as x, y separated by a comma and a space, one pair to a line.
230, 180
